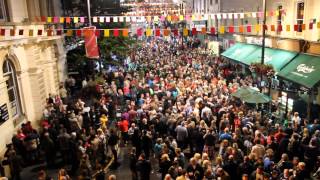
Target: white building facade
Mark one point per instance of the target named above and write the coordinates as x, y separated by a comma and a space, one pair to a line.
31, 66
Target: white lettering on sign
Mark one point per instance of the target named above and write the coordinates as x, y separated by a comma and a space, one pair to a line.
305, 69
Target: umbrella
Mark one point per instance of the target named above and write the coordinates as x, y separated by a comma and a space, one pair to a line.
242, 92
256, 98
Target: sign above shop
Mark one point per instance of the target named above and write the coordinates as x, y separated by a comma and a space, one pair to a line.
258, 41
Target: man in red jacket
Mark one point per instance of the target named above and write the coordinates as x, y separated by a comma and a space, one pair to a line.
124, 127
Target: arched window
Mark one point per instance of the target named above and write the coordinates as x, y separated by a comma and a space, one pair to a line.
9, 72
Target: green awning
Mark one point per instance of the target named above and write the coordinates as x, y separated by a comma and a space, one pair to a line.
276, 57
239, 51
303, 70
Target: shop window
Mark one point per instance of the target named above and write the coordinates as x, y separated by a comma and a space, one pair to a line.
3, 11
12, 87
300, 15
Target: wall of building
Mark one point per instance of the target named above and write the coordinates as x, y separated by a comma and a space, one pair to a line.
311, 12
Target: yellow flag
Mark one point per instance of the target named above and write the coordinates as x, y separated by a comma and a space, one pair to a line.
148, 32
318, 25
221, 30
277, 13
106, 33
61, 19
257, 27
49, 19
288, 27
149, 18
155, 18
125, 32
193, 17
181, 17
169, 18
75, 19
185, 32
69, 32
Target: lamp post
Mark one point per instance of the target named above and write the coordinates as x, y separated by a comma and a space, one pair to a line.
263, 34
89, 12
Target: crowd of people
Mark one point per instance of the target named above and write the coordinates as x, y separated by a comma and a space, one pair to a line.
173, 105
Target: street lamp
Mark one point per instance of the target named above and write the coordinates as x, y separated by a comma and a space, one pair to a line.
263, 36
89, 12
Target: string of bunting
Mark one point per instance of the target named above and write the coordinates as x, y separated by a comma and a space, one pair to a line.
158, 32
173, 17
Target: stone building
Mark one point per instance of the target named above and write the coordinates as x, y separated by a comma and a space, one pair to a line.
31, 66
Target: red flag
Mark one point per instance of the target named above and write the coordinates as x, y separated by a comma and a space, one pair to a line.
97, 32
249, 28
21, 32
194, 31
311, 26
43, 19
91, 45
79, 32
212, 30
175, 32
279, 28
296, 27
39, 32
59, 32
265, 27
231, 29
3, 32
115, 32
157, 32
139, 32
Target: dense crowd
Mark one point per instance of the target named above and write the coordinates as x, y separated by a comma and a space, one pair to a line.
172, 104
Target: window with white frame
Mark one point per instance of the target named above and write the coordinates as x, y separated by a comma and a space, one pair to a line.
12, 87
3, 11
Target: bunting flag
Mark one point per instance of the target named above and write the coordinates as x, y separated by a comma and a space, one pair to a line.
128, 19
121, 19
43, 19
49, 32
296, 27
56, 19
107, 19
95, 19
221, 30
68, 20
213, 30
79, 32
69, 32
148, 32
49, 19
61, 19
257, 28
303, 27
59, 32
231, 29
125, 32
273, 28
318, 25
139, 32
82, 19
106, 33
185, 32
157, 32
279, 29
21, 32
288, 28
311, 26
3, 32
12, 32
249, 28
39, 32
265, 27
31, 32
97, 32
194, 31
241, 29
204, 30
115, 32
166, 32
75, 19
101, 19
175, 32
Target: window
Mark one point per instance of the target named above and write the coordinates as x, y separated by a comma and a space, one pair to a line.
3, 11
12, 87
300, 15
